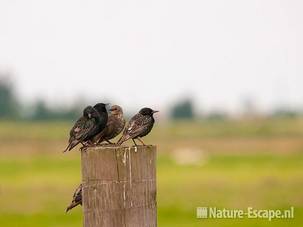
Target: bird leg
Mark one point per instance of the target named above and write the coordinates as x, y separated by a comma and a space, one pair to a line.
141, 141
99, 141
134, 142
83, 148
90, 143
86, 144
108, 141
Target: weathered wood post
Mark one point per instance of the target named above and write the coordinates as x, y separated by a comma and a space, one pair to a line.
119, 186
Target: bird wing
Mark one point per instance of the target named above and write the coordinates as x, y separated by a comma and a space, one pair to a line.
105, 132
137, 125
77, 197
109, 127
84, 129
77, 126
72, 142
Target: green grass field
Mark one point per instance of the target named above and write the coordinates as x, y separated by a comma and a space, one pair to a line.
240, 164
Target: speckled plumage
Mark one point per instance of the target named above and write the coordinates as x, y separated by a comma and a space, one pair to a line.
114, 126
77, 130
138, 126
77, 198
86, 127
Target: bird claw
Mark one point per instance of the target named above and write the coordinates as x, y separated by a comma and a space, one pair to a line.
83, 148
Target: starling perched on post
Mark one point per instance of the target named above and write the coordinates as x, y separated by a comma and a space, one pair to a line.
77, 198
87, 115
114, 126
89, 125
138, 126
101, 109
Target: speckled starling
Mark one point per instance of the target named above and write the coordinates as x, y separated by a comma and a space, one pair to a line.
87, 115
77, 198
89, 125
138, 126
114, 126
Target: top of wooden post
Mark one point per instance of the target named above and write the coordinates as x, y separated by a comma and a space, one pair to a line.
107, 162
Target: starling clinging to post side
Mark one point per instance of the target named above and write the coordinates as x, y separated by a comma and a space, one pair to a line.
114, 126
138, 126
89, 125
77, 198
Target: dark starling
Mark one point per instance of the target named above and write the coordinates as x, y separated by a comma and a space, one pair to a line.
138, 126
89, 125
77, 198
101, 108
114, 126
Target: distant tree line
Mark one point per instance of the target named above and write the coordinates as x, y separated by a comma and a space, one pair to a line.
8, 101
12, 109
185, 110
42, 112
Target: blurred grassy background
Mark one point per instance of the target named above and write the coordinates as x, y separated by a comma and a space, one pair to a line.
231, 164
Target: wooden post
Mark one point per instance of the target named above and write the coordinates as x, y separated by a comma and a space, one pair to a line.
119, 186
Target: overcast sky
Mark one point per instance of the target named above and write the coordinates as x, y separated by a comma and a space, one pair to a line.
152, 53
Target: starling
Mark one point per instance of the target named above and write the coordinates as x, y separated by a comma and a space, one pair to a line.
89, 125
114, 126
87, 115
77, 198
138, 126
101, 109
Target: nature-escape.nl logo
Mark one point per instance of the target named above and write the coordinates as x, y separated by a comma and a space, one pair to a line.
250, 212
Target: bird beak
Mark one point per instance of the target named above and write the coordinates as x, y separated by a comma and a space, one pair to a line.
89, 115
155, 111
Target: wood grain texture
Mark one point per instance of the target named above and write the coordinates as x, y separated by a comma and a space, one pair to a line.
119, 186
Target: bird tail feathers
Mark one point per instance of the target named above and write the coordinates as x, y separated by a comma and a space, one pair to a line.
67, 148
120, 141
71, 206
71, 145
123, 139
